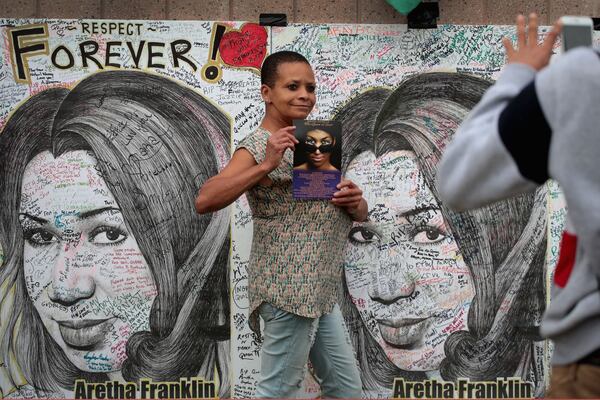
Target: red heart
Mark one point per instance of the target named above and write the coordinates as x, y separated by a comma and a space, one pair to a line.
244, 48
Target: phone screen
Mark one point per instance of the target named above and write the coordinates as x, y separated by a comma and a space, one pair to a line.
576, 35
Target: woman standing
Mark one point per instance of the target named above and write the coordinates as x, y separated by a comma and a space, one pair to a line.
296, 255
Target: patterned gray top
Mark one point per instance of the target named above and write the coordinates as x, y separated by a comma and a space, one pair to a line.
297, 246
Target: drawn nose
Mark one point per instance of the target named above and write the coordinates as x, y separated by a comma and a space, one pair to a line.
388, 286
73, 277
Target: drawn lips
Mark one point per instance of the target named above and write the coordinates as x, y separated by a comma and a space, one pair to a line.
84, 334
403, 333
400, 323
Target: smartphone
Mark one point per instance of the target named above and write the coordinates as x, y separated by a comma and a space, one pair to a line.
576, 31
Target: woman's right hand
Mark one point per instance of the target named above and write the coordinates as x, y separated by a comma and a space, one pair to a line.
277, 144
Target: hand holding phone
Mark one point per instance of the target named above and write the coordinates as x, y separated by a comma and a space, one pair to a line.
528, 51
576, 31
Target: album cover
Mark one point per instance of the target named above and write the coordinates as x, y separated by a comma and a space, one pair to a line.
317, 159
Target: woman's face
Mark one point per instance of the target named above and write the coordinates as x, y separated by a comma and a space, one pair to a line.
293, 94
321, 143
404, 270
83, 269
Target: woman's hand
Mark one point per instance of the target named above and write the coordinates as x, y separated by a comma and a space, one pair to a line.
349, 196
528, 51
277, 144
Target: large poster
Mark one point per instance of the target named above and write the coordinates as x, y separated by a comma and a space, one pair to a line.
112, 286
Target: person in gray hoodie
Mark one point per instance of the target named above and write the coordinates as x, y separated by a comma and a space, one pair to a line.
538, 122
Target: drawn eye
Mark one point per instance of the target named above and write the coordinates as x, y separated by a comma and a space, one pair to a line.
107, 235
361, 235
427, 235
40, 237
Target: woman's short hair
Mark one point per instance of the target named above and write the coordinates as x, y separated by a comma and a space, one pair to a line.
268, 71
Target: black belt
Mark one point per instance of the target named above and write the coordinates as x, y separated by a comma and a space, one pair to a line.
592, 358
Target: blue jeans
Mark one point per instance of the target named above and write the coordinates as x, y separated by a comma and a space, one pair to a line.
290, 340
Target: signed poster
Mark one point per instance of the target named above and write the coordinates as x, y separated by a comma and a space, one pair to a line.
112, 286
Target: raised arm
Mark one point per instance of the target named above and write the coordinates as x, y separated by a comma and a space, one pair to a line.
243, 172
493, 153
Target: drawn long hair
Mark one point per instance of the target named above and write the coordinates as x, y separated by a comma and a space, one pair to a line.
155, 143
503, 244
358, 118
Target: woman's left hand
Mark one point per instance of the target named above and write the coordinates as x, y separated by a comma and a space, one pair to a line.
349, 196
